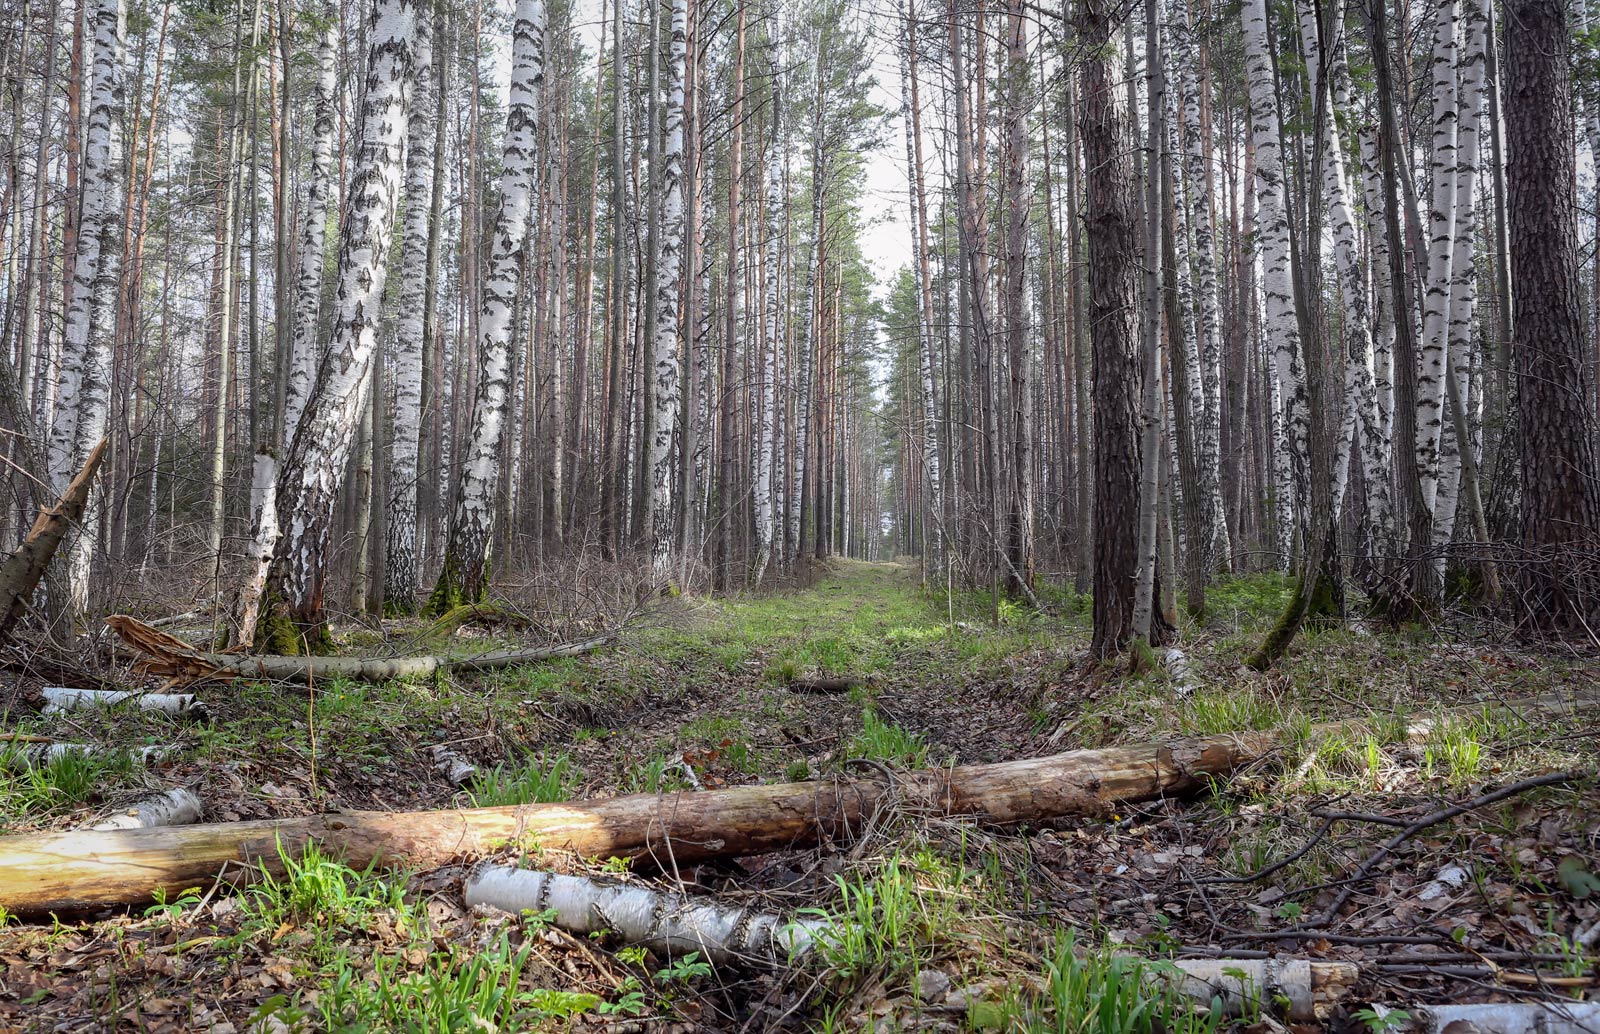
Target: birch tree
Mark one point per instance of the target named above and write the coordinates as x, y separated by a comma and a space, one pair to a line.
465, 575
1441, 250
666, 395
314, 469
418, 258
83, 385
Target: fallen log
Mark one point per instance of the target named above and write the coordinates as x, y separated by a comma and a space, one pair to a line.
180, 662
671, 923
168, 808
667, 923
36, 752
58, 699
80, 870
21, 571
1502, 1018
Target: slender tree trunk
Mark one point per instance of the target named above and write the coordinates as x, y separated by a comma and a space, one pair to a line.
465, 576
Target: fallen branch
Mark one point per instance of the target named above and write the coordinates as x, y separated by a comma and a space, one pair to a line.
84, 869
21, 571
1312, 989
1431, 819
823, 686
181, 662
168, 808
58, 699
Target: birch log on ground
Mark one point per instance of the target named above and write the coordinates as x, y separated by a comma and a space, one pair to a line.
21, 571
59, 699
79, 870
180, 662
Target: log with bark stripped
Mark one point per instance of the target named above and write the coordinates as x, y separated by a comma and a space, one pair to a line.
70, 871
180, 662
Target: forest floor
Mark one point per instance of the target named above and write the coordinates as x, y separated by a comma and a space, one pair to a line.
962, 928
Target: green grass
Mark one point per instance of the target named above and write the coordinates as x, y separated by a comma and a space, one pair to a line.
537, 780
32, 791
882, 741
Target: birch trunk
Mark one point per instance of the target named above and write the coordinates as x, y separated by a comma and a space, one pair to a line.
313, 471
666, 397
82, 400
1279, 323
466, 565
1463, 269
767, 447
400, 556
1441, 249
1212, 539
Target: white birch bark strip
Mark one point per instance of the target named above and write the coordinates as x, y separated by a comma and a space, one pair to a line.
1504, 1018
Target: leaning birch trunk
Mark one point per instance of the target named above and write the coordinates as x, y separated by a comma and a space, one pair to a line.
60, 699
1463, 278
667, 923
168, 808
81, 870
83, 392
770, 303
400, 521
1441, 249
177, 660
666, 390
466, 565
21, 572
1279, 323
313, 471
311, 248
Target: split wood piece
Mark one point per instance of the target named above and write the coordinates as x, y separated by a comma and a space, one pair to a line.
455, 768
70, 871
1504, 1018
669, 924
823, 686
61, 698
168, 808
34, 754
181, 662
21, 571
1313, 989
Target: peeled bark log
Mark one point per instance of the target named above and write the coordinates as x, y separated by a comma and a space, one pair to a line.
70, 871
58, 699
182, 663
169, 808
21, 571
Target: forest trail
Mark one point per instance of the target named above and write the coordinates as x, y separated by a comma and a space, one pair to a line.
706, 692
